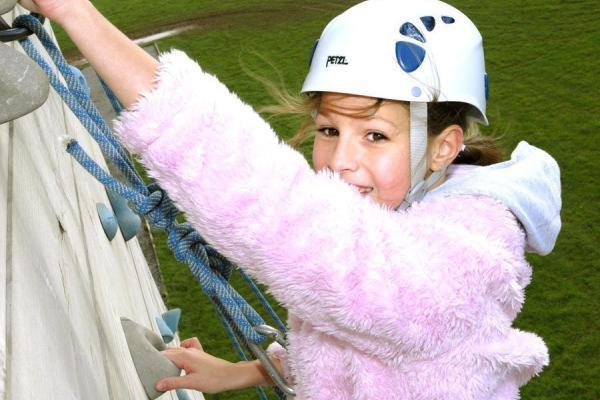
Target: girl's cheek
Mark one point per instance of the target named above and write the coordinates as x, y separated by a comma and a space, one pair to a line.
319, 155
318, 160
392, 170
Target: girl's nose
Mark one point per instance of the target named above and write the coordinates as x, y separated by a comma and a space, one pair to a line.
344, 157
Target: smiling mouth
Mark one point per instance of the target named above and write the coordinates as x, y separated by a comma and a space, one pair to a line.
363, 189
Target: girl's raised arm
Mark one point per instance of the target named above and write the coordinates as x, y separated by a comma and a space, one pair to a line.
126, 68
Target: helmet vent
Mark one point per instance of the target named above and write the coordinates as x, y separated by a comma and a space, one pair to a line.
429, 22
448, 20
409, 30
409, 55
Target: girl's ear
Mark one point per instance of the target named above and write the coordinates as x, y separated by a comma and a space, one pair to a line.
445, 147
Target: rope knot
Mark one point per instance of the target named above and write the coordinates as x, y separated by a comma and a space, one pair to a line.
28, 21
219, 263
187, 244
158, 208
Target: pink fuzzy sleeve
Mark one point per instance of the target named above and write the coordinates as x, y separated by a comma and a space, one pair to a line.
419, 280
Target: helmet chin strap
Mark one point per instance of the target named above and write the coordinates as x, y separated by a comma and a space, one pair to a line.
419, 186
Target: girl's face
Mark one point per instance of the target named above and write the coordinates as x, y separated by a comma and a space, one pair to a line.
369, 150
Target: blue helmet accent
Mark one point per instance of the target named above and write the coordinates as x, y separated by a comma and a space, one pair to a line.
411, 31
409, 55
487, 86
429, 22
448, 20
312, 52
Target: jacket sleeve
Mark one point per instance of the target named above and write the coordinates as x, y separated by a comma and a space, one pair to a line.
417, 280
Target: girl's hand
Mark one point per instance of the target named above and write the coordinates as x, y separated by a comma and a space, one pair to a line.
125, 67
207, 373
56, 10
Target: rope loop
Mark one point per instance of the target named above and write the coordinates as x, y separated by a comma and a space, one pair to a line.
158, 208
187, 237
8, 34
197, 250
188, 245
219, 263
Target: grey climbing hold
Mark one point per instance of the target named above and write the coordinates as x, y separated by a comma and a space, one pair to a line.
145, 347
7, 5
129, 222
23, 85
108, 220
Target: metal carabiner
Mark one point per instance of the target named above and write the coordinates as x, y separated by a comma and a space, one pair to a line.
9, 34
265, 360
272, 333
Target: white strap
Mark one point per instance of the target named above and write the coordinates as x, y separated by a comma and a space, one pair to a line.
419, 186
418, 142
420, 190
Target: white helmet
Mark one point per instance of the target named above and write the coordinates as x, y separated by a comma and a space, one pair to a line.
410, 50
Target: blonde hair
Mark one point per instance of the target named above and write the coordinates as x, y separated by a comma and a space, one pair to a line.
479, 149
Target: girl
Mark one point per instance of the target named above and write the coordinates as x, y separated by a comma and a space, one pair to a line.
402, 268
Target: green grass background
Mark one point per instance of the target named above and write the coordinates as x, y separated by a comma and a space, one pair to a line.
542, 58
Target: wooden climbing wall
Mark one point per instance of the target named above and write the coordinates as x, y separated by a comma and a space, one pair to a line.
63, 285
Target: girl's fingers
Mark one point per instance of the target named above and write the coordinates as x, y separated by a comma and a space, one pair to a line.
181, 382
177, 356
192, 343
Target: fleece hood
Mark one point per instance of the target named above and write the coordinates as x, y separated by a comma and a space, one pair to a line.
528, 185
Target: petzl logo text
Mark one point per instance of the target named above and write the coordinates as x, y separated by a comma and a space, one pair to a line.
336, 60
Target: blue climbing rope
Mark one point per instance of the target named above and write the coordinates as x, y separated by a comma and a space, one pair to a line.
263, 300
114, 102
211, 270
71, 94
185, 242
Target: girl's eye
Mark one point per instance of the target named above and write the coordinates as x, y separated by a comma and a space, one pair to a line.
327, 131
376, 136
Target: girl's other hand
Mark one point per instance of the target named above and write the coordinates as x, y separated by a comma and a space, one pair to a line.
204, 372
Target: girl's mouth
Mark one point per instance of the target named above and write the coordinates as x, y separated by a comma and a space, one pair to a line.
363, 189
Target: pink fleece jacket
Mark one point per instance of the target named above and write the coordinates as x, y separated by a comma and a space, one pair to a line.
382, 304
